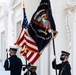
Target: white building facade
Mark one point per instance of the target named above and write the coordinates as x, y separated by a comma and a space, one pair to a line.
64, 14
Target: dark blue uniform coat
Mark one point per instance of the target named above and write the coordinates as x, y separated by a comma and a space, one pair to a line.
64, 68
14, 64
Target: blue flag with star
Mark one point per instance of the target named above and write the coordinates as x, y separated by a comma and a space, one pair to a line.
42, 24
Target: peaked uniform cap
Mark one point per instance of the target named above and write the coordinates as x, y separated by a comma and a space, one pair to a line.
13, 48
66, 53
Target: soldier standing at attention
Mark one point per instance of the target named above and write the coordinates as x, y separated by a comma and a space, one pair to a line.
64, 67
13, 63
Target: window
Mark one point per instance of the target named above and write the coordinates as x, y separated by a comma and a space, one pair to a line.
18, 29
3, 46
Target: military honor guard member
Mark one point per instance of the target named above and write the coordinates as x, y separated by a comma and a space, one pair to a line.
63, 67
13, 63
31, 71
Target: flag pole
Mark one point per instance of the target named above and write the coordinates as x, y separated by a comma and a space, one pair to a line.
6, 53
26, 57
23, 6
53, 36
26, 65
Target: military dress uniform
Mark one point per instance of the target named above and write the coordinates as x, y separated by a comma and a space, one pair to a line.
64, 67
14, 65
31, 71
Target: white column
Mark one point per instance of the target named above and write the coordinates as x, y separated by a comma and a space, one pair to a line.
69, 25
74, 46
44, 62
10, 29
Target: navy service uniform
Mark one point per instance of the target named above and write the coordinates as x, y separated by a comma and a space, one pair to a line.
31, 71
64, 67
14, 65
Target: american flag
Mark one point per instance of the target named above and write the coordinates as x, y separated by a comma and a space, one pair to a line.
28, 45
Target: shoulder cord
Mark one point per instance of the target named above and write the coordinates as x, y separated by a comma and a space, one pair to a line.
62, 70
8, 63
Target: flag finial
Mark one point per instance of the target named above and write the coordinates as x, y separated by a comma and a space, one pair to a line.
23, 4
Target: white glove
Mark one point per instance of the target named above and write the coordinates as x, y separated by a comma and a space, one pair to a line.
54, 57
